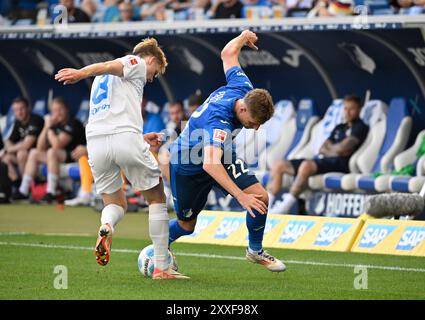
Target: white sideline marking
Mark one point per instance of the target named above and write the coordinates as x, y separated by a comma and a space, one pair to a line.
215, 256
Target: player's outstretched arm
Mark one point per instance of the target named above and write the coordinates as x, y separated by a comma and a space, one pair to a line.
212, 165
230, 52
71, 76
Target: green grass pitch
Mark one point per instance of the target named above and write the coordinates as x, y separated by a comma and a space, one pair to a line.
36, 239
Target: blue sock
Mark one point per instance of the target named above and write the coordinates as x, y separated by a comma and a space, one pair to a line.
256, 230
176, 231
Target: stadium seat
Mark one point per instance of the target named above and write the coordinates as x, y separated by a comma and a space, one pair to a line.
83, 112
8, 126
306, 117
39, 108
378, 157
374, 115
68, 170
252, 145
408, 183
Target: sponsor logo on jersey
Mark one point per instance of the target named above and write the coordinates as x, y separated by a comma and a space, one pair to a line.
295, 230
374, 234
411, 238
330, 232
219, 135
133, 61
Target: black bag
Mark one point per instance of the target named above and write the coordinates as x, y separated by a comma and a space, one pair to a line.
5, 184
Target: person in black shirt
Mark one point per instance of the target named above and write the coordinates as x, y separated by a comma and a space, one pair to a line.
334, 155
228, 9
60, 136
74, 14
26, 128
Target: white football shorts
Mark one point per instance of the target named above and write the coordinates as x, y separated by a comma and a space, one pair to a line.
127, 152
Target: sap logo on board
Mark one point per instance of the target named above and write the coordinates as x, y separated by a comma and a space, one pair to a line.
374, 234
411, 238
330, 232
227, 226
202, 223
294, 230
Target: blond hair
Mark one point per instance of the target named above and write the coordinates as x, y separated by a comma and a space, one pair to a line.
260, 104
150, 47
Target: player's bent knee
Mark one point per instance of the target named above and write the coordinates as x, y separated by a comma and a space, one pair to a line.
189, 225
308, 167
265, 198
22, 155
33, 154
118, 198
279, 166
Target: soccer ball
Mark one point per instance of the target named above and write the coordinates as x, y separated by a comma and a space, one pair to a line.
145, 261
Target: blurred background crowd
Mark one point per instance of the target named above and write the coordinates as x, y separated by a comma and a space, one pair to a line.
41, 12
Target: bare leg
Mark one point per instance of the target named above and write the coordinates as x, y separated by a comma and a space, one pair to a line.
276, 175
10, 161
34, 159
54, 158
22, 157
307, 169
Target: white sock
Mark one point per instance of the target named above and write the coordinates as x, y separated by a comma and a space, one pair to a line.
52, 183
271, 199
84, 195
112, 214
253, 251
25, 185
283, 207
159, 232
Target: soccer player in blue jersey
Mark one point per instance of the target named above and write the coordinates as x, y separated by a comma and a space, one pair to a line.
203, 155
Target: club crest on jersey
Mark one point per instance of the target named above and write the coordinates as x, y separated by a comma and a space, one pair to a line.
219, 135
133, 61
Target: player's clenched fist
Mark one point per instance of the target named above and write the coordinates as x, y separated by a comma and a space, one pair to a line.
69, 75
250, 38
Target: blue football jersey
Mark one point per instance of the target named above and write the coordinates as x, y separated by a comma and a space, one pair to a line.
213, 123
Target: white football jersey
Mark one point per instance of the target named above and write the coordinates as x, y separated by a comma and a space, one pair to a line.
115, 102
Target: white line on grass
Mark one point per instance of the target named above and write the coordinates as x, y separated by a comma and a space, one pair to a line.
215, 256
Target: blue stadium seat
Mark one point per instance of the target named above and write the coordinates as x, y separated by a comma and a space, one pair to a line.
39, 108
399, 124
306, 118
306, 112
254, 146
10, 119
69, 170
83, 112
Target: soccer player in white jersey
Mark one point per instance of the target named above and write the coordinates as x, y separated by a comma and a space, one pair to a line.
115, 143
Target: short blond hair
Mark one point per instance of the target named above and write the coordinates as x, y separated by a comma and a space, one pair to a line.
260, 104
150, 47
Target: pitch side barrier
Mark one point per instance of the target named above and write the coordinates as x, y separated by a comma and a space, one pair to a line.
82, 30
321, 58
380, 236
